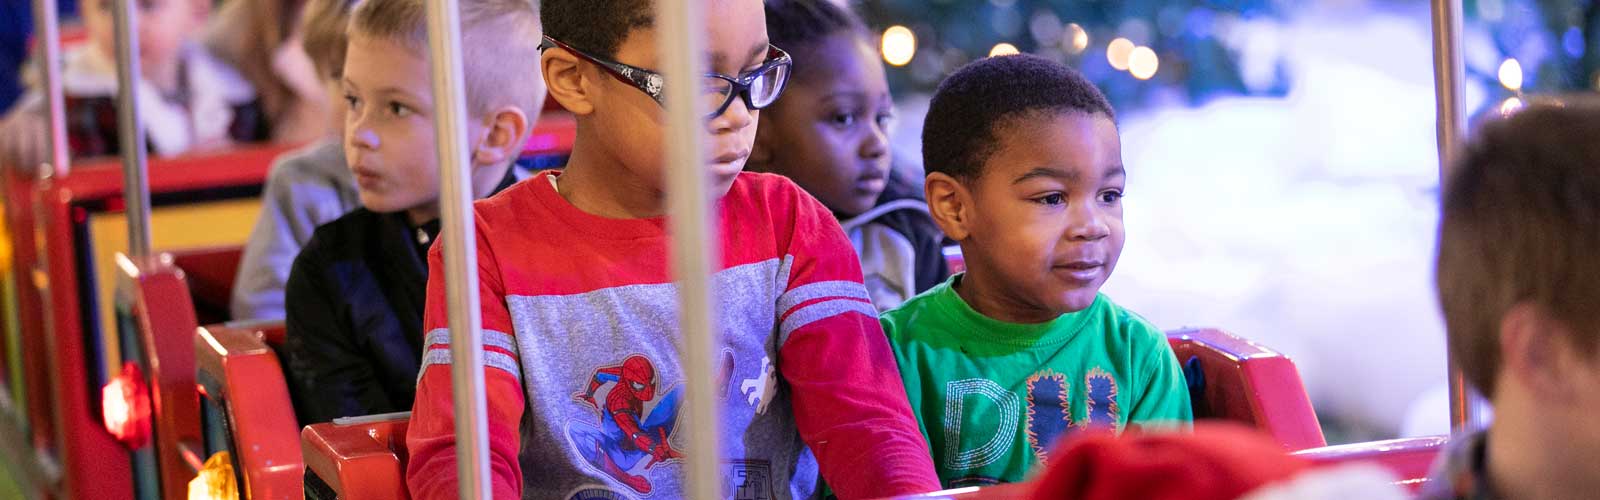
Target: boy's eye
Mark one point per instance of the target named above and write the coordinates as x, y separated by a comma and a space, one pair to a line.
399, 110
1112, 196
842, 120
1051, 199
351, 101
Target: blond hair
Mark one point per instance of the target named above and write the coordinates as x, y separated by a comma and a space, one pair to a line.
499, 46
322, 26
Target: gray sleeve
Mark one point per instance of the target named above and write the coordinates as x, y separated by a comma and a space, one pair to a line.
295, 200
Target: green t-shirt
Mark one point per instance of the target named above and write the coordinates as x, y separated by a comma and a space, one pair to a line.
992, 397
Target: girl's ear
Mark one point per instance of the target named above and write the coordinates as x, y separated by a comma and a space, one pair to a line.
950, 203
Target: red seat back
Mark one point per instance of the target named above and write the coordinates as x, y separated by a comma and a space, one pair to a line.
1245, 382
154, 292
92, 463
358, 458
210, 272
1409, 459
241, 375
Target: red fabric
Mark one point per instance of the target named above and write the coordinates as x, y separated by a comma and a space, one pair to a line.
849, 404
1217, 462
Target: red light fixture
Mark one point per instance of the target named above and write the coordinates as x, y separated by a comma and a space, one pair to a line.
125, 406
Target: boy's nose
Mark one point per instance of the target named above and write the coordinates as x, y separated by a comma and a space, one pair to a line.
1087, 223
364, 138
736, 117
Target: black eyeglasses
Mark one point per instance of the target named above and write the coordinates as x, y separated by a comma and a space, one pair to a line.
759, 87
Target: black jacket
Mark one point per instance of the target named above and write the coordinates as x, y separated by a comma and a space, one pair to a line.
354, 304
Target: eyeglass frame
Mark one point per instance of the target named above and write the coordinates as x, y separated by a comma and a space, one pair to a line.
652, 83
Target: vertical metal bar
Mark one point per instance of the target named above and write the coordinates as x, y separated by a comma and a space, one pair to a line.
135, 183
47, 34
1467, 409
460, 250
693, 234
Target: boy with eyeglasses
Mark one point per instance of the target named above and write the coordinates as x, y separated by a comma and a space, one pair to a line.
579, 306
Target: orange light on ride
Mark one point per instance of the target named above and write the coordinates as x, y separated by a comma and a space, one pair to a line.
125, 407
215, 480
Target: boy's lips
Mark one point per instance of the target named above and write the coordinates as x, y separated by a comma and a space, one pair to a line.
365, 178
1082, 272
729, 164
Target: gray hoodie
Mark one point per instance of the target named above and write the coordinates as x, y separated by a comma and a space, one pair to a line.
306, 188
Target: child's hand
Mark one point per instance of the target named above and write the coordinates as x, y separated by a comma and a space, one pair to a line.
24, 141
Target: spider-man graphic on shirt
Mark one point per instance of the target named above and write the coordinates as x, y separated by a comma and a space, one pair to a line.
628, 440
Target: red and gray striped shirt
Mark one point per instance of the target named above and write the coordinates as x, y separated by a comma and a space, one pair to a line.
583, 376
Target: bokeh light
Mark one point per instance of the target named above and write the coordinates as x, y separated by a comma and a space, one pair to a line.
1004, 49
1511, 74
1142, 63
899, 45
1117, 53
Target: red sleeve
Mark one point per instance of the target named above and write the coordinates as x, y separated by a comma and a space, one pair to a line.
849, 402
431, 439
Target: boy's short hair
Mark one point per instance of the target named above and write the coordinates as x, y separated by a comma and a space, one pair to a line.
972, 105
1520, 223
322, 25
797, 25
499, 46
595, 26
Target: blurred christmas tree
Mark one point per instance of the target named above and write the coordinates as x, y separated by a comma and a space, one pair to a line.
1555, 44
1189, 51
1170, 50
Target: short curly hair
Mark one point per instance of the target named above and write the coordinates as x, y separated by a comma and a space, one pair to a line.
595, 26
977, 101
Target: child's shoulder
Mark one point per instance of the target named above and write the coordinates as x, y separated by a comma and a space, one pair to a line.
764, 190
1123, 322
341, 239
319, 162
916, 313
518, 202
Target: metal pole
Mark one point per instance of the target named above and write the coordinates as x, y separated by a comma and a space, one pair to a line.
693, 234
460, 250
1466, 407
47, 34
135, 184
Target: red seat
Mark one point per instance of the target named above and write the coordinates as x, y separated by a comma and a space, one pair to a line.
210, 272
357, 458
153, 291
1246, 382
239, 372
1408, 458
92, 463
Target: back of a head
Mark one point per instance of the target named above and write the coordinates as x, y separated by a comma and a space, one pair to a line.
798, 25
499, 46
974, 104
323, 25
1520, 223
595, 26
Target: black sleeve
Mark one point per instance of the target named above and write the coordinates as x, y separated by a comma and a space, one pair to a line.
329, 372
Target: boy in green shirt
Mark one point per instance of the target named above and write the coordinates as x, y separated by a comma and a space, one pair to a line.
1025, 171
